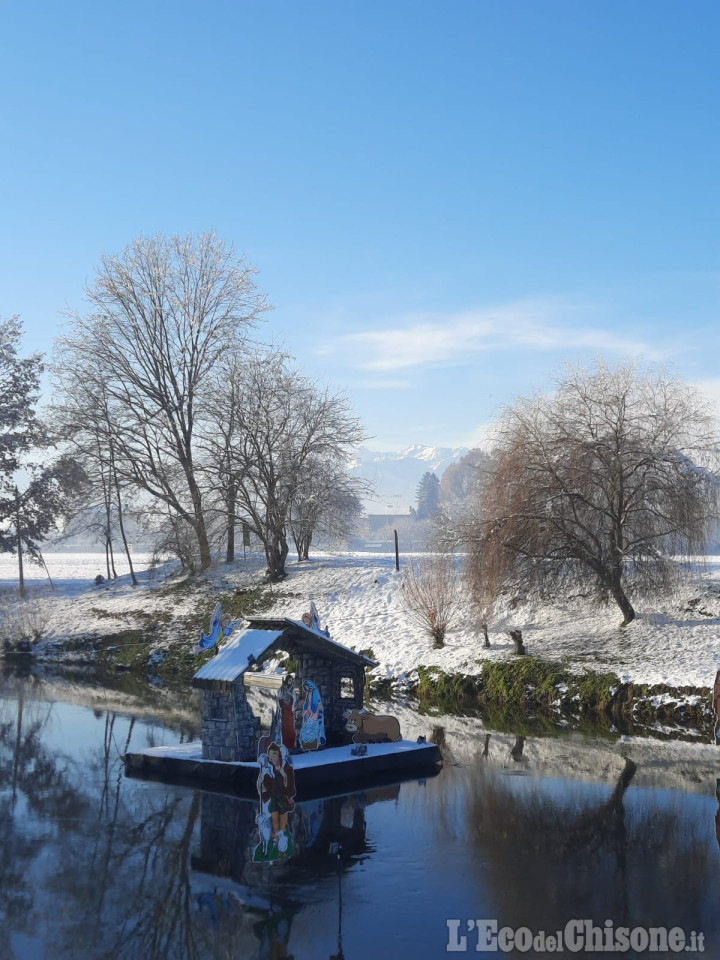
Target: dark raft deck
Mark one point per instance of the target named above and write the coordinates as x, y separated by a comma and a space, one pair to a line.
314, 772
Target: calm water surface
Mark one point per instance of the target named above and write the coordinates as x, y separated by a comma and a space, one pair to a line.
533, 833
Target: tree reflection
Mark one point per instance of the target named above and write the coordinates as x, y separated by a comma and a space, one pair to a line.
35, 788
555, 851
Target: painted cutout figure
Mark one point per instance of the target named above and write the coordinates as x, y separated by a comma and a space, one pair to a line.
312, 732
286, 710
220, 626
276, 787
312, 620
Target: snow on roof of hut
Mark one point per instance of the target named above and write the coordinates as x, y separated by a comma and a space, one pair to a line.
247, 647
310, 637
237, 655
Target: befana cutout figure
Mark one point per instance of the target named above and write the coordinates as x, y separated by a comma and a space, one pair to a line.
276, 789
312, 731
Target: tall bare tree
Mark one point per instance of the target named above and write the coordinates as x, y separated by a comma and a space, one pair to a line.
161, 316
286, 428
327, 502
82, 421
608, 480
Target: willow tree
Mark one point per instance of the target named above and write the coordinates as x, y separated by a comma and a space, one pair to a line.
610, 480
161, 315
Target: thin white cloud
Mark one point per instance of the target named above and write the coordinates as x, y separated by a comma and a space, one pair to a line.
413, 342
385, 384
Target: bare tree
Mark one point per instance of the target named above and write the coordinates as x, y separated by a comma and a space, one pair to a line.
327, 501
284, 424
82, 420
606, 481
161, 315
430, 593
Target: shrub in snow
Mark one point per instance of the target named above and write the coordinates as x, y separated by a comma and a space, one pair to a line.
430, 595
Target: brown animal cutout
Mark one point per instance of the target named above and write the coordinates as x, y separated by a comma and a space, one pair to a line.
368, 728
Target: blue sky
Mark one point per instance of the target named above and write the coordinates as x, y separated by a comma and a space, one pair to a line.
444, 200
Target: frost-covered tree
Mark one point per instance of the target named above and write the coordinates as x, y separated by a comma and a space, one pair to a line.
285, 425
426, 495
20, 428
161, 315
82, 421
461, 480
29, 500
327, 502
29, 514
609, 480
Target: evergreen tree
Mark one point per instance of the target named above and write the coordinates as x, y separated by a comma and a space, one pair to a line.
31, 497
20, 429
31, 515
427, 496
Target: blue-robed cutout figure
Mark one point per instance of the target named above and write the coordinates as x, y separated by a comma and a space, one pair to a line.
312, 731
220, 626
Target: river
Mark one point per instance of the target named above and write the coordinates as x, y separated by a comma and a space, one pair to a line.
540, 833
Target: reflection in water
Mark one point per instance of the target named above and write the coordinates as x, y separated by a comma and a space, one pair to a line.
95, 865
553, 852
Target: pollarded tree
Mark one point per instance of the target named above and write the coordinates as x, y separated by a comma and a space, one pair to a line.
162, 314
608, 480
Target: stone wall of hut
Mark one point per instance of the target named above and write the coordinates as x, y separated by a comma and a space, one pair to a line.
230, 730
328, 676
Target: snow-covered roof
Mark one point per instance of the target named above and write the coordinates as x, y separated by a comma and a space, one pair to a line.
249, 646
315, 638
237, 655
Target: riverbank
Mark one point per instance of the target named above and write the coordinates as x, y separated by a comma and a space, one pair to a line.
580, 663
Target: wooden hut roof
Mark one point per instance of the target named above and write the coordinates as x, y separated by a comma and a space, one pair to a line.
252, 644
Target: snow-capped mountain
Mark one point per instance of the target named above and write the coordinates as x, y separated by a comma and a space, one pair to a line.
395, 476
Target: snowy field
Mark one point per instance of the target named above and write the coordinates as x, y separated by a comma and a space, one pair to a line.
674, 640
70, 572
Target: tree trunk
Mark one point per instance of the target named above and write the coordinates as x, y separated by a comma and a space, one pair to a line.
230, 510
18, 533
204, 545
230, 552
198, 520
121, 524
486, 641
112, 561
302, 546
622, 600
516, 637
276, 554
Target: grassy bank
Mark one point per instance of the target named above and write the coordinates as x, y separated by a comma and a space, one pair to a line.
162, 650
530, 692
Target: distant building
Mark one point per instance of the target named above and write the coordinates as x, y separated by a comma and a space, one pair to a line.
378, 521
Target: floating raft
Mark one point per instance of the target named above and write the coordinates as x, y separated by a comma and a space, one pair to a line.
313, 771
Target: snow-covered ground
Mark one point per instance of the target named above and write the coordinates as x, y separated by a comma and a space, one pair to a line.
675, 639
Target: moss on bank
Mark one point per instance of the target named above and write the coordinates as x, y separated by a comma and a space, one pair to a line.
164, 649
525, 693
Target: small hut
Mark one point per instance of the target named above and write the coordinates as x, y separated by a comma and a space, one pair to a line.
230, 730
